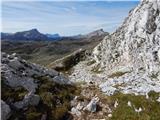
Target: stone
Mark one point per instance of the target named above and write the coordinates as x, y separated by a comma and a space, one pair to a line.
15, 64
138, 110
158, 100
92, 106
116, 104
80, 106
109, 115
5, 111
29, 99
75, 111
147, 97
129, 104
19, 73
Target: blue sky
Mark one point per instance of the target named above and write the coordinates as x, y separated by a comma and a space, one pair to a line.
65, 18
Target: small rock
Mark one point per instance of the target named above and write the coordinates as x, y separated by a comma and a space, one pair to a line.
129, 104
3, 54
138, 110
116, 104
109, 115
147, 97
92, 105
158, 100
29, 99
80, 106
75, 111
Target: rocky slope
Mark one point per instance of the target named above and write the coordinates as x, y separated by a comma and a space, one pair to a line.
32, 92
27, 87
129, 59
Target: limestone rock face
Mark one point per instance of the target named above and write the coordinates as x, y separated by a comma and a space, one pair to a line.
128, 59
5, 111
19, 73
133, 50
136, 43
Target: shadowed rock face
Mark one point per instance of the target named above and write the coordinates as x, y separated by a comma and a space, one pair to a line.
6, 111
129, 58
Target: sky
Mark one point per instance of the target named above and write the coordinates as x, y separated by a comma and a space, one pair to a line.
64, 17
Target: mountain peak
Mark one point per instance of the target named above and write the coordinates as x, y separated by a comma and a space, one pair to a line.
98, 32
34, 30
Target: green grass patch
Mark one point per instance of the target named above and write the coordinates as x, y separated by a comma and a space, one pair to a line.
150, 107
55, 97
55, 100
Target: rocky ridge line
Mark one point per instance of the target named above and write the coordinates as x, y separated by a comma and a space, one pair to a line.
129, 59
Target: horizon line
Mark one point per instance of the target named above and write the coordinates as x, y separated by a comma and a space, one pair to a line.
54, 33
69, 0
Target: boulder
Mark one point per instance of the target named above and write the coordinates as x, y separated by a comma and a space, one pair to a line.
5, 111
29, 99
92, 106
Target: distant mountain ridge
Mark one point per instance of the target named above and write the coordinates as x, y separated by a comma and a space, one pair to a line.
34, 34
97, 33
53, 35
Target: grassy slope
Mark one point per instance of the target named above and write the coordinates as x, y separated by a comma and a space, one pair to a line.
46, 52
55, 100
150, 107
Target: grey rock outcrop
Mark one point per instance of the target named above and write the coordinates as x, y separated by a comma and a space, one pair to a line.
29, 99
24, 79
20, 73
5, 111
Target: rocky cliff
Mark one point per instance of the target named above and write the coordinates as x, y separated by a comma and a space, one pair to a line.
129, 59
